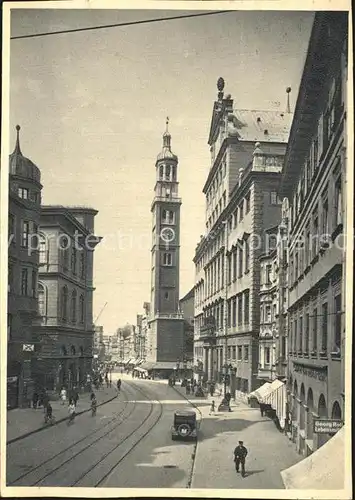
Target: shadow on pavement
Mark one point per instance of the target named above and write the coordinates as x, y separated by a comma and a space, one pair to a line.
252, 472
210, 428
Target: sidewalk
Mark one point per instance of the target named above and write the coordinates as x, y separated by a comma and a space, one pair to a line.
22, 422
270, 451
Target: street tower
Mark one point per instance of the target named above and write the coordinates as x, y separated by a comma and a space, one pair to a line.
166, 320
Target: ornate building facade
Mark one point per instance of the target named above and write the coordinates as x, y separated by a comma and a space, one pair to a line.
65, 296
24, 219
247, 151
313, 181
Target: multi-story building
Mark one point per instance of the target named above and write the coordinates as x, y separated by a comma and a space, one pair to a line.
166, 324
65, 296
313, 181
187, 307
98, 339
247, 150
24, 218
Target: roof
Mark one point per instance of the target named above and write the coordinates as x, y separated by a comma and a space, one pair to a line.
189, 295
159, 365
182, 413
22, 166
262, 126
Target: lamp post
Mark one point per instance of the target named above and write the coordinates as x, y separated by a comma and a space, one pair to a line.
185, 367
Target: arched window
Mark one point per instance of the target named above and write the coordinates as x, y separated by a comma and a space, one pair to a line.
81, 308
161, 172
63, 350
295, 389
81, 351
64, 303
336, 411
73, 306
42, 300
42, 249
167, 172
322, 407
72, 350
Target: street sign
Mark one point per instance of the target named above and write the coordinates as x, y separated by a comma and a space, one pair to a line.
327, 426
28, 347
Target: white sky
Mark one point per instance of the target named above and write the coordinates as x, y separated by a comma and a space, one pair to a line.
92, 110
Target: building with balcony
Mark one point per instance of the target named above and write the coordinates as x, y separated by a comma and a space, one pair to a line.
65, 296
247, 151
313, 180
23, 261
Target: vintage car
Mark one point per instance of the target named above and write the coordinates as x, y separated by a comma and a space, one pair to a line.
185, 425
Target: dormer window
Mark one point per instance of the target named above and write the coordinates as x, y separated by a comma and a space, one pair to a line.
23, 193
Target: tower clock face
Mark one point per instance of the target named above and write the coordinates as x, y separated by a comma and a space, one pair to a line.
167, 234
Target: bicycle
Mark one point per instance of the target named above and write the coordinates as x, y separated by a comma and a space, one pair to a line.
49, 419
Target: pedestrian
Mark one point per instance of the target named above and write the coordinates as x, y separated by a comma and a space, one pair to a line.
240, 454
119, 385
45, 401
48, 417
35, 400
213, 408
262, 409
75, 396
71, 410
63, 395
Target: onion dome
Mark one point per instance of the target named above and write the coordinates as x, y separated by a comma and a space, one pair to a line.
20, 165
166, 153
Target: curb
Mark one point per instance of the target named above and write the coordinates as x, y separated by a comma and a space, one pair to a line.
39, 429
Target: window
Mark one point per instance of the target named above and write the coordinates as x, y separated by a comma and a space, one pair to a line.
173, 168
307, 247
306, 334
24, 282
161, 172
235, 217
41, 300
12, 228
234, 311
229, 268
241, 214
73, 306
73, 260
315, 154
274, 199
10, 279
25, 234
81, 308
268, 314
267, 355
240, 309
296, 266
246, 307
324, 327
283, 347
268, 270
315, 235
23, 193
34, 283
338, 212
314, 330
300, 337
337, 322
246, 353
229, 312
82, 264
239, 353
247, 254
9, 326
247, 203
240, 260
42, 249
168, 217
64, 303
295, 332
234, 265
325, 211
167, 259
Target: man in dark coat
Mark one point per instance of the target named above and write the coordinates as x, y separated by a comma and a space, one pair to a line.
240, 454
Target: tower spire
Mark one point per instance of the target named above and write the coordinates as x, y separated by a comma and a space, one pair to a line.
167, 125
17, 145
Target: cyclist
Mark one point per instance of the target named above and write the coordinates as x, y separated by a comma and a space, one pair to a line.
93, 405
71, 410
48, 417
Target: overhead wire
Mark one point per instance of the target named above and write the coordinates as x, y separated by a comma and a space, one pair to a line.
118, 25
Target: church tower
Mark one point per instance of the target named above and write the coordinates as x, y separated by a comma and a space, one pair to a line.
166, 320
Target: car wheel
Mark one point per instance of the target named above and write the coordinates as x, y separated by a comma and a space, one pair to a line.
184, 430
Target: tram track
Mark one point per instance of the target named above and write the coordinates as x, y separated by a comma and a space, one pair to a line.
91, 445
78, 442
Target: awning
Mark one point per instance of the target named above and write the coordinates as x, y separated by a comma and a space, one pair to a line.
276, 397
259, 393
160, 365
324, 469
139, 369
